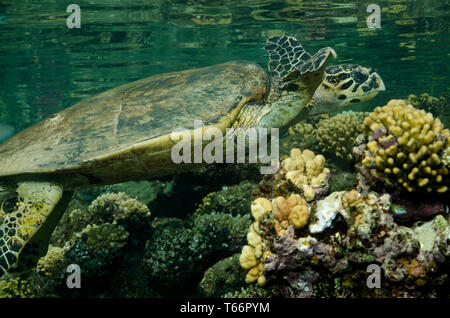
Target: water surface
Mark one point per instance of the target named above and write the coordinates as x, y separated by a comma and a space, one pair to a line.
46, 67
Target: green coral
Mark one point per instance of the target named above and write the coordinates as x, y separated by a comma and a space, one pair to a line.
14, 287
118, 208
302, 135
337, 135
234, 200
96, 247
181, 253
223, 277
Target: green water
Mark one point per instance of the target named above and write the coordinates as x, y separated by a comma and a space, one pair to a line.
46, 67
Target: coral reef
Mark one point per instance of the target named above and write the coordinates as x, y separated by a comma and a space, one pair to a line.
349, 231
14, 287
302, 135
283, 213
96, 247
437, 106
336, 135
179, 252
102, 239
223, 277
117, 208
234, 200
403, 148
306, 171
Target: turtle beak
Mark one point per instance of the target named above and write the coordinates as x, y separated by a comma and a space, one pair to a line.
381, 86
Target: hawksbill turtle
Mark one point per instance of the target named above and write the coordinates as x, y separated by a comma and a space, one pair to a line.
124, 133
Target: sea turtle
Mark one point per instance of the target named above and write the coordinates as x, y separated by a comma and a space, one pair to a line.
124, 133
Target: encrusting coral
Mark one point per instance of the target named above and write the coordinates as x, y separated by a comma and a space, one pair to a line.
336, 135
404, 148
306, 171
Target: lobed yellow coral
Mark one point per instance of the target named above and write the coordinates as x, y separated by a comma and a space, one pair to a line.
283, 212
306, 171
407, 148
291, 211
253, 255
336, 135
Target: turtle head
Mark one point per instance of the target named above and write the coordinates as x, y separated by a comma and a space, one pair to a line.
345, 85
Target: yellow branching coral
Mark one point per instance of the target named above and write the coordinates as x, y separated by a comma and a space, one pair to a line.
337, 135
407, 148
306, 171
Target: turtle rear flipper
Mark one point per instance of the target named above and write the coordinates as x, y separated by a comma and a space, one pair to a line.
25, 231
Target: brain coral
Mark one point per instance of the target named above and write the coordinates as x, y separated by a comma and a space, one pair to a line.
406, 148
336, 135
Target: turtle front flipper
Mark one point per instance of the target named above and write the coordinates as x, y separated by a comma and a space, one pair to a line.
296, 76
25, 229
